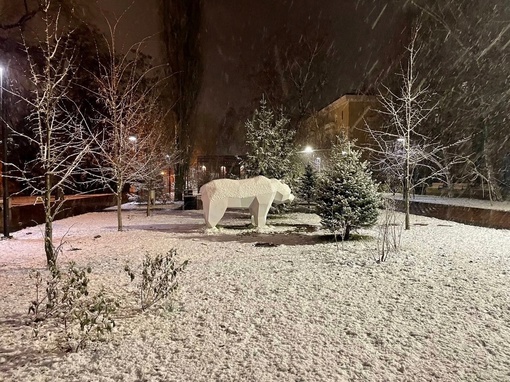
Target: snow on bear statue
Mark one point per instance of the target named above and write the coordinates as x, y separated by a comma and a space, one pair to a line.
256, 193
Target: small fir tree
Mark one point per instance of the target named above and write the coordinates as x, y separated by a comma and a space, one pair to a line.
347, 196
270, 143
308, 184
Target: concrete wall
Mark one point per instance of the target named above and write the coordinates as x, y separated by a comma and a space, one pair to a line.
468, 215
27, 215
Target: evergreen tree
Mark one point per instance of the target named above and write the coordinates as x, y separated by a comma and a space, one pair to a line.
270, 143
347, 196
308, 184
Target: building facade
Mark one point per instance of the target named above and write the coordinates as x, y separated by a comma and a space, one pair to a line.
349, 115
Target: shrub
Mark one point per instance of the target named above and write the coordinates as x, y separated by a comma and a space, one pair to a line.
389, 233
158, 278
77, 317
347, 196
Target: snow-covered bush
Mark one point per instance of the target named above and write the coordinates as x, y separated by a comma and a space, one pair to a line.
347, 196
270, 144
158, 278
389, 232
65, 307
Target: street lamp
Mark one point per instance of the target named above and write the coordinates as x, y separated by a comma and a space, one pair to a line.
308, 150
5, 186
132, 139
310, 154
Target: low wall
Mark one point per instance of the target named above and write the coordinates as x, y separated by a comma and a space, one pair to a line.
482, 217
26, 215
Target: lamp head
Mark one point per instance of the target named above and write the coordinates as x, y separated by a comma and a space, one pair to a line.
308, 150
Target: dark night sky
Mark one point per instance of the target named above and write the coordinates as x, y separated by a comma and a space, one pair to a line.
233, 36
139, 20
233, 31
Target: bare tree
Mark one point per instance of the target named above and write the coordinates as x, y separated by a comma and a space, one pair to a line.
55, 125
401, 151
466, 56
17, 14
127, 94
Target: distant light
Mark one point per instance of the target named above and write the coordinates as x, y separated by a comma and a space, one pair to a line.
132, 138
308, 150
163, 173
401, 140
204, 168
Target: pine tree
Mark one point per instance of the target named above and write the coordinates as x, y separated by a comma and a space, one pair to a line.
347, 195
270, 143
308, 184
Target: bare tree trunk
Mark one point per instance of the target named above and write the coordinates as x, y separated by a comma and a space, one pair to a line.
406, 202
407, 190
149, 198
51, 259
119, 207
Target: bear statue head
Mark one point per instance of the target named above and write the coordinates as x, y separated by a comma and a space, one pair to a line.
283, 193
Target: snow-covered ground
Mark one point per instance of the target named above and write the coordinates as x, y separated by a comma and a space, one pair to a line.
305, 310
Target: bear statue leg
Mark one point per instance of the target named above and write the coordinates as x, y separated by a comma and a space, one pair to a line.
205, 210
214, 211
253, 212
260, 208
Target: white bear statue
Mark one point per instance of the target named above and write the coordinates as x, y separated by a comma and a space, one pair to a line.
256, 193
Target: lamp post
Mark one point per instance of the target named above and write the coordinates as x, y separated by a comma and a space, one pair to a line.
5, 186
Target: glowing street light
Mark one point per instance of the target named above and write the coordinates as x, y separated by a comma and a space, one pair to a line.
308, 150
310, 153
132, 138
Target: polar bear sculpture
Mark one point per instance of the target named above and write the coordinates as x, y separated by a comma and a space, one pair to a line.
256, 193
